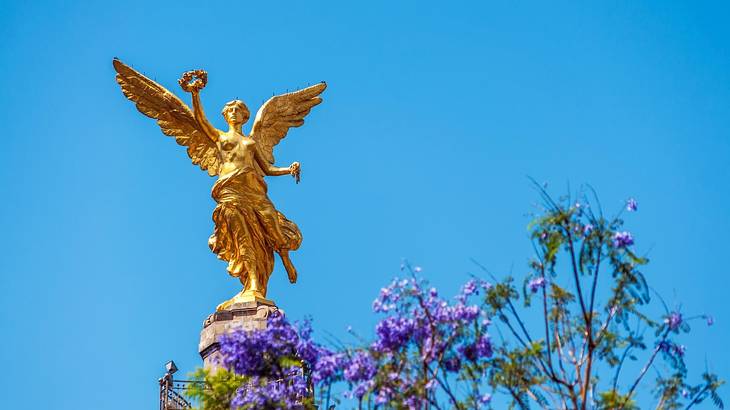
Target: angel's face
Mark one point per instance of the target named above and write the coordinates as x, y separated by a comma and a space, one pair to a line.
235, 113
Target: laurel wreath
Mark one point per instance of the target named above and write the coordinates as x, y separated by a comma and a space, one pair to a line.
193, 80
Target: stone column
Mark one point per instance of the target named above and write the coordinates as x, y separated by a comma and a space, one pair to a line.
247, 316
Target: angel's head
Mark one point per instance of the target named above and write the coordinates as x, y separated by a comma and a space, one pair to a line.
236, 112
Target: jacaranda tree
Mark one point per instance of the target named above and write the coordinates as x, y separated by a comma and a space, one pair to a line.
576, 332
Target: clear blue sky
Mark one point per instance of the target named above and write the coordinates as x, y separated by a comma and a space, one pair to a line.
435, 115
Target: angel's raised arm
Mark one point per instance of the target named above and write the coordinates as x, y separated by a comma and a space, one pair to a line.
193, 82
210, 131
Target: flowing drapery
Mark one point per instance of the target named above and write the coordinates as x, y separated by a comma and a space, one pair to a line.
248, 229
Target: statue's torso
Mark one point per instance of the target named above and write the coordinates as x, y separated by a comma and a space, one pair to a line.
236, 153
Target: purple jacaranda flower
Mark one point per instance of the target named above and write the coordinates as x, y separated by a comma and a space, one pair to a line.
679, 350
441, 311
263, 393
393, 333
587, 229
536, 284
244, 352
543, 235
631, 205
385, 292
360, 367
389, 296
685, 393
469, 352
463, 313
360, 389
327, 367
485, 285
622, 239
417, 269
710, 320
380, 307
415, 402
258, 353
671, 348
469, 288
431, 349
383, 396
484, 347
306, 349
673, 320
452, 364
273, 358
485, 398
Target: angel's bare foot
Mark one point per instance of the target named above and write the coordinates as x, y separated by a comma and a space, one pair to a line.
291, 271
244, 296
225, 305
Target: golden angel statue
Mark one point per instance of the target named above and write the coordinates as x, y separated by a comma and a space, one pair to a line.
248, 228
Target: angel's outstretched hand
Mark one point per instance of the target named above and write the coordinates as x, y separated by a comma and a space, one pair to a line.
295, 170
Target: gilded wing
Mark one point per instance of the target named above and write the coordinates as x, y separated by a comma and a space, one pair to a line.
280, 113
172, 115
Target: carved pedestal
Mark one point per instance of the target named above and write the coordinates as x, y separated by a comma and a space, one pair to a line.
247, 316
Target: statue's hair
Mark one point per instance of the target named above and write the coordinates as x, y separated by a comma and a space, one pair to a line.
235, 103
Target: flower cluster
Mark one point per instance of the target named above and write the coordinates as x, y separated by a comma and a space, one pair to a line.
360, 367
419, 329
261, 393
256, 353
359, 372
536, 284
622, 239
273, 361
671, 348
673, 321
482, 348
393, 333
632, 205
420, 335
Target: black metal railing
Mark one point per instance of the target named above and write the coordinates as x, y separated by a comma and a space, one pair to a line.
172, 392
